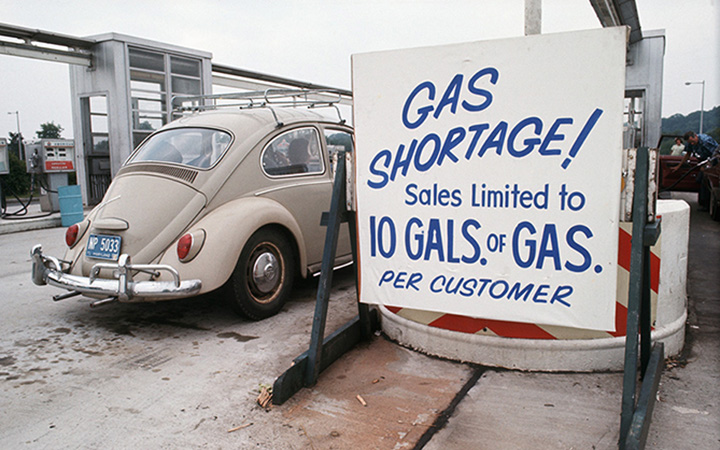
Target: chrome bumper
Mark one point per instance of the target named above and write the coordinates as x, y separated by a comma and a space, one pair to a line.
49, 270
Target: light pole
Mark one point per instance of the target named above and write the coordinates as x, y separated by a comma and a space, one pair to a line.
19, 136
702, 100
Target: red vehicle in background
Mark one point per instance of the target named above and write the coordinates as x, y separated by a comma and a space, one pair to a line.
686, 178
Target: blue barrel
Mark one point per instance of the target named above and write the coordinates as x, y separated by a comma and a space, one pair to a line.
71, 205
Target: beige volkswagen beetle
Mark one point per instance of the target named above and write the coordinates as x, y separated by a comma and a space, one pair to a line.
225, 198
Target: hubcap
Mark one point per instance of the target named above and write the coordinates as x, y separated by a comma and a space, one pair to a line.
266, 272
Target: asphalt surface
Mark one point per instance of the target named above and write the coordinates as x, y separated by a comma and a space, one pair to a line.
187, 374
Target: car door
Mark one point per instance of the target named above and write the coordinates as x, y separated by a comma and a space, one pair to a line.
297, 159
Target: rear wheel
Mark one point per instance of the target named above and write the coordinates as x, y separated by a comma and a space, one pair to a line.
263, 276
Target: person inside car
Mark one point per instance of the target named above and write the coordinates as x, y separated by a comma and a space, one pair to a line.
298, 155
678, 148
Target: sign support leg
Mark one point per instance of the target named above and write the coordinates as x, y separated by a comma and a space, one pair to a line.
367, 322
323, 351
326, 274
635, 419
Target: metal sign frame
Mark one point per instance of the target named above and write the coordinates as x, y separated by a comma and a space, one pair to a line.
636, 409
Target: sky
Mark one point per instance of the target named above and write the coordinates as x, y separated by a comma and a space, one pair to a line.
313, 40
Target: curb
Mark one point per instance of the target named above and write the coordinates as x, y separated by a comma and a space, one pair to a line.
28, 224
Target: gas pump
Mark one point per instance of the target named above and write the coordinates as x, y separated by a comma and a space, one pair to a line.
55, 158
4, 169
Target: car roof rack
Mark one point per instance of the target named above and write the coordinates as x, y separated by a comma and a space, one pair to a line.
268, 98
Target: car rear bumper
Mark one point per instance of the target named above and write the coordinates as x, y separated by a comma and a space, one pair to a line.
49, 270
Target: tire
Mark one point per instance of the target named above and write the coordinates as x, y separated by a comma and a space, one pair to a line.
715, 204
263, 277
704, 195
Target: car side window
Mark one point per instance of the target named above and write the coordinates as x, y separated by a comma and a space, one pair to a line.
294, 152
337, 141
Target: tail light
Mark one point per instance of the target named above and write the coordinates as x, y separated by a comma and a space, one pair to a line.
189, 245
75, 232
71, 235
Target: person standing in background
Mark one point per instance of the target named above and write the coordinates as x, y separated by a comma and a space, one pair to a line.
678, 148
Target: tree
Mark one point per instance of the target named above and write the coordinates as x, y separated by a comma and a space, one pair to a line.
49, 130
679, 124
17, 181
145, 125
13, 146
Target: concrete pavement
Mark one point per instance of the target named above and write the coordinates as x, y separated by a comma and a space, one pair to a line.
183, 374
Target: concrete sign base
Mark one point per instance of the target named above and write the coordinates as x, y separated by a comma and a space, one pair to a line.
579, 350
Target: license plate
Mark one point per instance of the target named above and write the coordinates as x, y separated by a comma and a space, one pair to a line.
101, 246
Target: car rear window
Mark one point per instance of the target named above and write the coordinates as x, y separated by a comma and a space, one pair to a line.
196, 147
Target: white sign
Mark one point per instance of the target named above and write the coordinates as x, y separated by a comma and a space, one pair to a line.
488, 177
